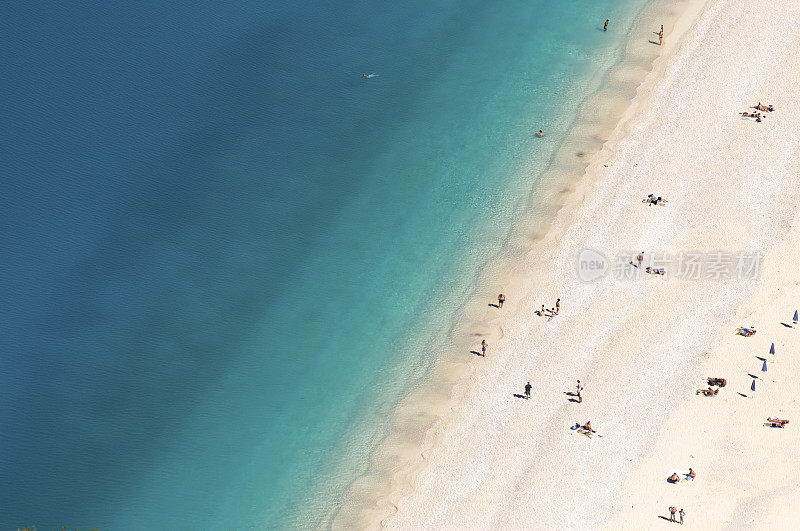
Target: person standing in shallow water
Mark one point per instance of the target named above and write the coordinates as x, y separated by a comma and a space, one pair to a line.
605, 26
500, 300
528, 390
484, 344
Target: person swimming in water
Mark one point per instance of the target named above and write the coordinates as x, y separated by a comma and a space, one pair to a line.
370, 75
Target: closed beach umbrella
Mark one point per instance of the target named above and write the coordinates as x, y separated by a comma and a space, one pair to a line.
772, 349
763, 368
753, 386
795, 317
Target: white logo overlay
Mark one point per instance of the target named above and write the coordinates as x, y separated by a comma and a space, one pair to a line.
591, 265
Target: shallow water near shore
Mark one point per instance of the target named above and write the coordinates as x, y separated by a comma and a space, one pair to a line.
228, 255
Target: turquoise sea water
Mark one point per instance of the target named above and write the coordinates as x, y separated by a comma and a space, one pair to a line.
226, 254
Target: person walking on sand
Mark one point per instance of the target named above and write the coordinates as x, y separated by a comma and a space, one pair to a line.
580, 392
661, 35
681, 513
528, 390
558, 305
640, 258
500, 300
672, 511
484, 344
605, 26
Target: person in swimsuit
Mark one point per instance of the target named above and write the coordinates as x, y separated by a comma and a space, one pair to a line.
540, 133
605, 26
580, 392
707, 392
691, 474
558, 305
500, 300
484, 344
528, 390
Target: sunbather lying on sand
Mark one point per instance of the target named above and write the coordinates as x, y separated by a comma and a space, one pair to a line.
776, 423
653, 200
746, 332
674, 478
720, 382
655, 270
708, 392
760, 107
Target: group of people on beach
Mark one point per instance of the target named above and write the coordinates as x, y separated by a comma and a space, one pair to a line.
719, 383
675, 478
649, 270
545, 312
653, 200
776, 422
757, 115
584, 429
672, 511
484, 345
746, 331
550, 312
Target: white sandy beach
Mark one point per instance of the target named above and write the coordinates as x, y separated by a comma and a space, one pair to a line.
641, 345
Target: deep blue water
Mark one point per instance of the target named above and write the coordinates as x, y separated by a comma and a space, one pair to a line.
225, 254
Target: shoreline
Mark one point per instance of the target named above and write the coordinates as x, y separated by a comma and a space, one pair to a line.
422, 417
641, 344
